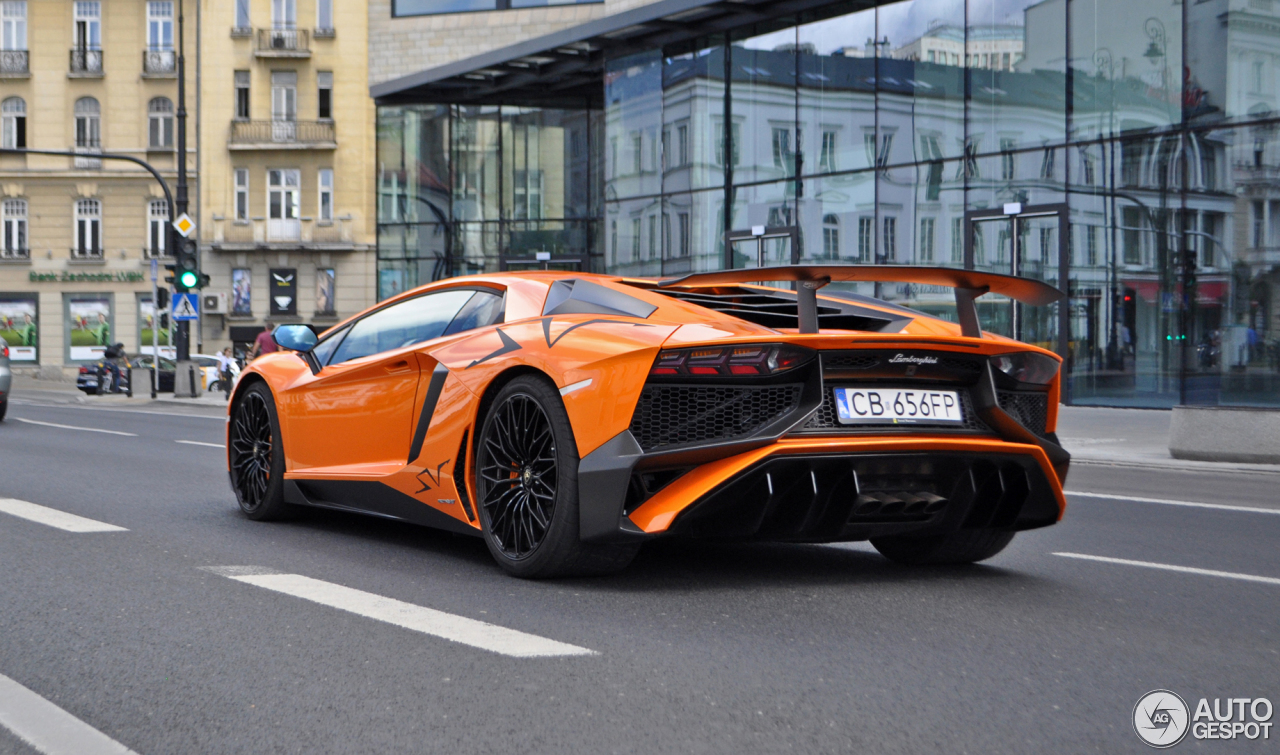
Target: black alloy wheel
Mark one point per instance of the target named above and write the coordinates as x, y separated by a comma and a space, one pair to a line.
518, 465
255, 457
526, 467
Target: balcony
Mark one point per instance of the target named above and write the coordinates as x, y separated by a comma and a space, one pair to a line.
86, 63
15, 254
86, 254
283, 43
88, 162
14, 63
159, 63
251, 135
156, 254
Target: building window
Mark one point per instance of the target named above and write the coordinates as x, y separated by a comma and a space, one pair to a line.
957, 241
653, 237
1047, 247
160, 115
682, 144
613, 242
13, 25
326, 195
1259, 224
160, 25
1086, 166
15, 226
14, 112
1007, 161
685, 232
88, 228
782, 148
326, 290
827, 155
925, 241
637, 153
527, 194
88, 123
284, 96
890, 239
242, 195
324, 15
283, 202
432, 7
1209, 224
1046, 163
242, 16
87, 17
324, 98
242, 95
866, 238
1090, 245
830, 237
157, 226
284, 14
635, 240
1258, 70
878, 157
735, 139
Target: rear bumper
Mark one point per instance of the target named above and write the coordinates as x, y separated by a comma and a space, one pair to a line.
822, 489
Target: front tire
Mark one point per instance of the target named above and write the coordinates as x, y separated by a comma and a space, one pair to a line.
256, 455
4, 407
960, 547
526, 467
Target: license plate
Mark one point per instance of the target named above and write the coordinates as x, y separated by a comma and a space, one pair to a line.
897, 406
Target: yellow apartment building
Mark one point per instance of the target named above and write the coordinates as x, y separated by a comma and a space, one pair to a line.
287, 148
77, 234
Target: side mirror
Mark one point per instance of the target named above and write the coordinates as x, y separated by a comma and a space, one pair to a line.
298, 338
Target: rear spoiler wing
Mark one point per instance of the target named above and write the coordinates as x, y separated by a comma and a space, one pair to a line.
968, 286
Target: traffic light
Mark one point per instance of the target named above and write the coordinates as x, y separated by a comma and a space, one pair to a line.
186, 264
162, 298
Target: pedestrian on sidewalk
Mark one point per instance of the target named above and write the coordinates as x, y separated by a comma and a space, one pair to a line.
265, 343
225, 364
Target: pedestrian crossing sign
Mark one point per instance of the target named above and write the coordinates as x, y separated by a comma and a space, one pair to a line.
185, 307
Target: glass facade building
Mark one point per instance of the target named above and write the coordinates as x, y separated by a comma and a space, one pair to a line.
1125, 151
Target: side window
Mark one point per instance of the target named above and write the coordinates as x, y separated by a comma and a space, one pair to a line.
485, 308
324, 349
413, 321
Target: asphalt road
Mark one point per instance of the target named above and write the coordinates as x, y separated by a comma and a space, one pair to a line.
697, 648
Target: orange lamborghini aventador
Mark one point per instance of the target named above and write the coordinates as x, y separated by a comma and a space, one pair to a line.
567, 418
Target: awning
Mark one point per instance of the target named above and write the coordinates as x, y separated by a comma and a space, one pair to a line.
566, 68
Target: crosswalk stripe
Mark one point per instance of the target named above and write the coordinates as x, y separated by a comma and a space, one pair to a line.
458, 629
48, 728
54, 518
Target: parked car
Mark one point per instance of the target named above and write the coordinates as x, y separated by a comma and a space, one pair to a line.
95, 378
5, 379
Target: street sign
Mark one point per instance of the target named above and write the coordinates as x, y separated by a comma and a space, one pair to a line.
184, 225
186, 307
155, 269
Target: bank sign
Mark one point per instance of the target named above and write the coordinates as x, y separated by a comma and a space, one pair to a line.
67, 276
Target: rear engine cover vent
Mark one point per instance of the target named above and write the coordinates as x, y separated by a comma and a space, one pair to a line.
778, 309
678, 415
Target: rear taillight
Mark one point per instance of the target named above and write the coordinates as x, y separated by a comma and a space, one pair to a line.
84, 370
730, 361
4, 351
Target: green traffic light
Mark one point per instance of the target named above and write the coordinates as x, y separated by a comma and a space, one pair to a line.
189, 279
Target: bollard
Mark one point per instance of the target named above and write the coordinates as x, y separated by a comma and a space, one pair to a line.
128, 371
152, 371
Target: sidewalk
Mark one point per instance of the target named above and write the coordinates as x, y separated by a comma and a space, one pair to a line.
1131, 438
58, 392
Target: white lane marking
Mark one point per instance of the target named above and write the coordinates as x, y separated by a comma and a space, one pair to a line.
19, 402
54, 518
1171, 567
73, 427
565, 391
48, 728
460, 629
200, 443
1169, 502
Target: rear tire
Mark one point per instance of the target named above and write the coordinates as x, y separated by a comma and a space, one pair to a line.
526, 468
960, 547
255, 455
4, 407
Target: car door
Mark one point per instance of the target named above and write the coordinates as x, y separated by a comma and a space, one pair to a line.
353, 416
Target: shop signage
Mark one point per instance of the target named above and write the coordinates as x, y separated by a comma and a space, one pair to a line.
68, 276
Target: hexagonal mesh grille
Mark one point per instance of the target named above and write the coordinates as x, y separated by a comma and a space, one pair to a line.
1031, 408
825, 418
672, 415
850, 361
